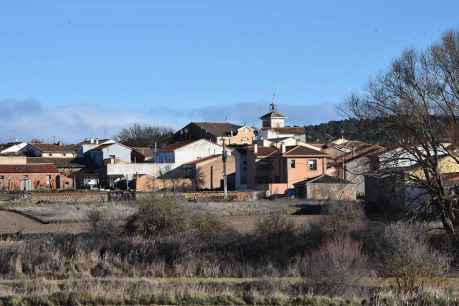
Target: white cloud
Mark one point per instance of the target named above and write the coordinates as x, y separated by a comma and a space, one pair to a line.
27, 119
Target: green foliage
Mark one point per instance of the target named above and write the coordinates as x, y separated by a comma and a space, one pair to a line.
371, 131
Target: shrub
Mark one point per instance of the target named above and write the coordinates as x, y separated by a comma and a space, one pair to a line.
409, 257
342, 218
207, 225
157, 218
101, 227
337, 264
275, 224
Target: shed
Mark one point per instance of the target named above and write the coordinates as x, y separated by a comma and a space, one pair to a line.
325, 187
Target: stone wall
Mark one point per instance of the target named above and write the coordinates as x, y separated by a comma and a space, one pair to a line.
70, 197
343, 192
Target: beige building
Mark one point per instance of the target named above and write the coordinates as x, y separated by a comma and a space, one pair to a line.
207, 173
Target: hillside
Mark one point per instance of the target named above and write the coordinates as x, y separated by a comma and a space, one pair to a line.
371, 131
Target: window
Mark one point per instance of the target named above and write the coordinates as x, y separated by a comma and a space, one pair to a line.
49, 154
312, 164
292, 163
2, 177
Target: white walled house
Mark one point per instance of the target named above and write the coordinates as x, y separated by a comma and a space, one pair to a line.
109, 153
179, 153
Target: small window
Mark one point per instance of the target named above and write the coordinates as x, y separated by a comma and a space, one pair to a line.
2, 177
292, 163
312, 164
49, 154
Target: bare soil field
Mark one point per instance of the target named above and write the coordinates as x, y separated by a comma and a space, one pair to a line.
12, 222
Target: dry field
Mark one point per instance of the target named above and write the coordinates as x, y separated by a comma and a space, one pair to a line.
72, 218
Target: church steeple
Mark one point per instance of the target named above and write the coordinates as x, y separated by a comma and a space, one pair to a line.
273, 119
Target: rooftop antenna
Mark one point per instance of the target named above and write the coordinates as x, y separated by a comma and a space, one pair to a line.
273, 107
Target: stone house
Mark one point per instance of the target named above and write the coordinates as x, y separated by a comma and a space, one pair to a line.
326, 187
29, 177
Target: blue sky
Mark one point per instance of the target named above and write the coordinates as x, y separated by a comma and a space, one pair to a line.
73, 69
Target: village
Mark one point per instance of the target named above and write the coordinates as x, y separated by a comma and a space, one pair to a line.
275, 160
143, 160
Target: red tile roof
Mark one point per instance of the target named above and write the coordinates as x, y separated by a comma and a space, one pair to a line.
266, 151
302, 151
31, 168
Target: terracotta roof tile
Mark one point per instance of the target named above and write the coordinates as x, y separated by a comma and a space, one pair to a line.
302, 151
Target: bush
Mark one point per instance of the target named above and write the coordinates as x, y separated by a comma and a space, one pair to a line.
158, 218
409, 258
337, 264
342, 218
101, 227
207, 225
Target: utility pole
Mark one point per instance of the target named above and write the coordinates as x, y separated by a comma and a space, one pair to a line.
225, 180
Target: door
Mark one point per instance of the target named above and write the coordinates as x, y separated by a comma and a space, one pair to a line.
58, 182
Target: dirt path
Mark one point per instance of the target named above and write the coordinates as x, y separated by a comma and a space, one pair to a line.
11, 222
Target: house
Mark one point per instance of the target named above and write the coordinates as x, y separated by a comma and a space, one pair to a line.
29, 177
325, 187
397, 178
217, 132
55, 150
179, 153
277, 170
68, 168
91, 143
109, 152
354, 163
207, 173
273, 126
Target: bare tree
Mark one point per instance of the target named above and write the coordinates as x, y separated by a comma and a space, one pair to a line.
144, 135
418, 98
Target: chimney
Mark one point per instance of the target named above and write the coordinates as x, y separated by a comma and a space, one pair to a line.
283, 148
255, 148
97, 140
91, 140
